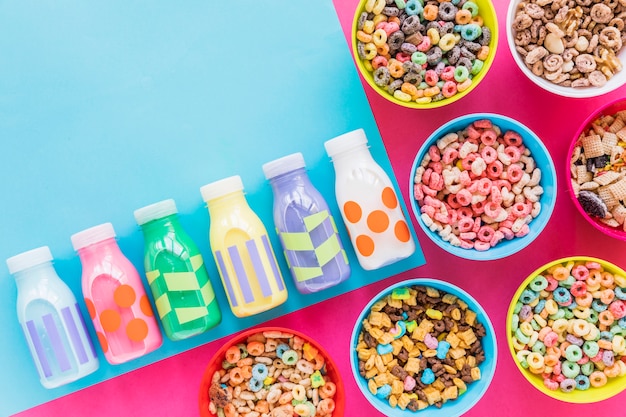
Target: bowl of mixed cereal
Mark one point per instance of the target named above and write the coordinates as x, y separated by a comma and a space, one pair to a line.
597, 167
483, 186
424, 56
572, 52
442, 340
271, 370
565, 329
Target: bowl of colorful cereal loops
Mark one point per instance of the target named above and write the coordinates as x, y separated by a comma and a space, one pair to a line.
424, 55
273, 372
597, 168
569, 49
423, 345
566, 325
483, 186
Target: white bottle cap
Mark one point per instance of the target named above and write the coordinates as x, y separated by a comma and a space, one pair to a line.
283, 165
345, 142
92, 235
29, 259
221, 187
155, 211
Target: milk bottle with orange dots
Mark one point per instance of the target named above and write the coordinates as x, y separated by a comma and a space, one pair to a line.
368, 203
242, 250
115, 297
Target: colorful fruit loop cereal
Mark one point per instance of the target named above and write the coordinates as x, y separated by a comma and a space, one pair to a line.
568, 326
422, 51
273, 374
598, 169
478, 186
571, 42
420, 346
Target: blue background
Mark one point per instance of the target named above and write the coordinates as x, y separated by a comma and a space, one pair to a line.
106, 107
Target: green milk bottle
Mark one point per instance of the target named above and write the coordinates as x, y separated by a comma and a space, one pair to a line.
175, 270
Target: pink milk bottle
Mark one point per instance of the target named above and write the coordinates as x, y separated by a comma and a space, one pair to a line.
115, 297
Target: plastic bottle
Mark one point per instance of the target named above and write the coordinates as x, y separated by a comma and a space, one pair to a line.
51, 320
115, 297
178, 279
242, 250
368, 203
305, 226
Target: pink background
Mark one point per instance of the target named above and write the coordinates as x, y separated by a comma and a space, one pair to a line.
170, 387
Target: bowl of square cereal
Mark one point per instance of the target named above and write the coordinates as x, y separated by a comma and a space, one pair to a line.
421, 55
569, 51
597, 167
483, 186
271, 371
565, 329
423, 345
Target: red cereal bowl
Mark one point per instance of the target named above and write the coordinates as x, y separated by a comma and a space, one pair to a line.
478, 26
329, 371
567, 340
597, 198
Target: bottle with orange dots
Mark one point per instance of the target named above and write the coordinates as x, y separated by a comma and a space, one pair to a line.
115, 297
368, 203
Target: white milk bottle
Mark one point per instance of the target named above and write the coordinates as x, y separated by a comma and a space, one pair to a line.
368, 203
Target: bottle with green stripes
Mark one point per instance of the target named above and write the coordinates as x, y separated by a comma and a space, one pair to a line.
305, 226
175, 270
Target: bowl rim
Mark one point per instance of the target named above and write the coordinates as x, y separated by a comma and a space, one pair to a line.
577, 397
547, 211
493, 46
570, 92
605, 108
487, 372
207, 373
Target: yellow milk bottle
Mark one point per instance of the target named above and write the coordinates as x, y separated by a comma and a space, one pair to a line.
242, 250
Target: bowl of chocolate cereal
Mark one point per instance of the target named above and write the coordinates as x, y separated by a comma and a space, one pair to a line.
424, 55
597, 168
565, 329
569, 51
483, 186
441, 341
271, 371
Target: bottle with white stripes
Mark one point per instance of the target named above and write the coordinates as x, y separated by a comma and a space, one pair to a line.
242, 250
51, 320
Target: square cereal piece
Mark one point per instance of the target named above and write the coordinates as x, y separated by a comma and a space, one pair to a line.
449, 298
450, 393
385, 338
456, 353
470, 317
386, 321
609, 139
619, 213
378, 305
467, 336
617, 125
453, 339
397, 387
460, 384
607, 196
404, 399
618, 189
621, 134
475, 373
432, 395
412, 365
376, 318
438, 384
606, 177
432, 292
592, 146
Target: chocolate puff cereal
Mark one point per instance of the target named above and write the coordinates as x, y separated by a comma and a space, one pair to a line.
420, 347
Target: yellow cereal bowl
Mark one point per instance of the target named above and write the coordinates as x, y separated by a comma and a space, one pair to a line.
485, 11
613, 83
613, 386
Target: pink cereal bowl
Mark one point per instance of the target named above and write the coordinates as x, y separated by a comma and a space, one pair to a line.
609, 108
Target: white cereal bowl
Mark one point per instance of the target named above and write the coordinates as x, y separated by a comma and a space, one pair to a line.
616, 81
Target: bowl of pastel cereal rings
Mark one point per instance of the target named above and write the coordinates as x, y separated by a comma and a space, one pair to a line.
424, 55
423, 345
569, 51
271, 371
565, 329
597, 167
483, 186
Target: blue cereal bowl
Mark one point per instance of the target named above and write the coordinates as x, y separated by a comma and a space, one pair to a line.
450, 408
548, 183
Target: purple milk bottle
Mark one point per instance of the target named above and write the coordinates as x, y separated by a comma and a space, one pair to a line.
305, 226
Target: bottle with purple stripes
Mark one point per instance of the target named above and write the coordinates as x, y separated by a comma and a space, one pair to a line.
242, 250
51, 320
